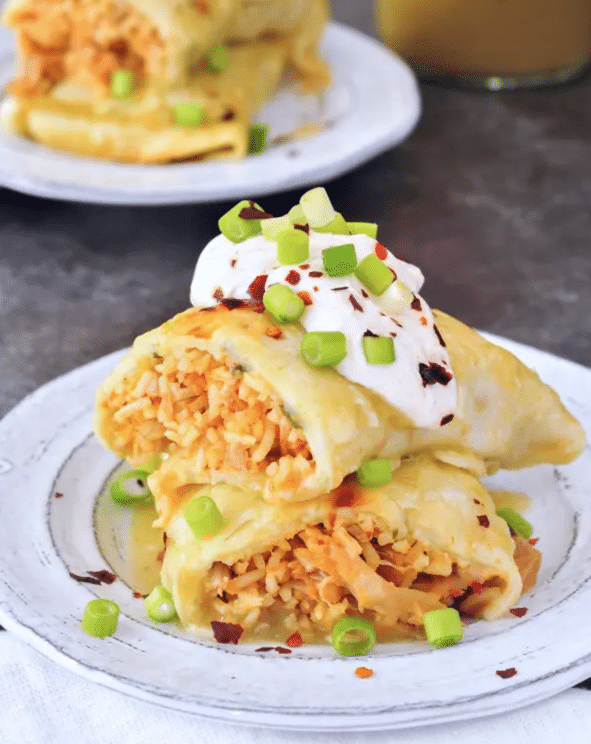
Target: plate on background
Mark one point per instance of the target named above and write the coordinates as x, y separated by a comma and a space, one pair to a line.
47, 448
371, 106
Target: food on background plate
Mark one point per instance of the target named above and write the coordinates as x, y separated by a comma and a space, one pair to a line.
317, 435
147, 81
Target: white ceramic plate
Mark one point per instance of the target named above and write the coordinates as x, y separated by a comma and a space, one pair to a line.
371, 106
47, 446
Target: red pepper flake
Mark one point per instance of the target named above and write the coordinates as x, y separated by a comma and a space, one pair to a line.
304, 266
446, 419
294, 640
256, 289
293, 277
424, 321
533, 540
316, 274
263, 649
338, 289
274, 332
84, 579
164, 537
439, 336
363, 672
218, 294
58, 495
476, 587
252, 213
518, 611
228, 116
370, 334
364, 293
233, 262
393, 334
432, 373
104, 576
226, 632
483, 520
396, 322
416, 303
381, 251
455, 593
303, 228
477, 502
139, 595
281, 650
160, 556
506, 673
306, 297
356, 305
315, 288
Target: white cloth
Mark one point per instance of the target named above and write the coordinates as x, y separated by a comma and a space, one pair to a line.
41, 703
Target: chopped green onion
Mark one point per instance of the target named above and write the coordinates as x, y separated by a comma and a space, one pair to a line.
396, 298
257, 138
353, 636
203, 517
293, 246
324, 348
339, 260
317, 207
374, 274
283, 304
275, 225
159, 605
338, 226
122, 83
443, 627
100, 618
237, 229
189, 114
517, 523
218, 58
364, 228
379, 349
296, 215
375, 472
130, 488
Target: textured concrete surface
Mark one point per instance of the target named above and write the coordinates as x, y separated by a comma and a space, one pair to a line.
490, 195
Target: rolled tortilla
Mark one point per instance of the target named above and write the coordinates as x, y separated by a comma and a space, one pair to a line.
226, 395
426, 540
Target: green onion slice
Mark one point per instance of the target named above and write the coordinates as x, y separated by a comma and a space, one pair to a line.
374, 274
443, 627
122, 83
375, 472
293, 246
379, 349
100, 618
353, 636
203, 517
283, 304
159, 605
339, 260
218, 58
317, 207
397, 298
275, 225
189, 114
517, 523
363, 228
296, 215
130, 488
237, 229
257, 138
324, 348
338, 226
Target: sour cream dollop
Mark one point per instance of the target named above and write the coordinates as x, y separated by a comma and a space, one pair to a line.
420, 382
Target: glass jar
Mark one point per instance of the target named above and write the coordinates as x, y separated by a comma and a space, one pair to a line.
491, 44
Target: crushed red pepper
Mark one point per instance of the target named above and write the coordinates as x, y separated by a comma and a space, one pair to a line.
518, 611
439, 336
483, 520
293, 277
476, 587
252, 213
446, 419
233, 262
274, 332
371, 334
84, 579
139, 595
306, 297
303, 228
381, 251
304, 266
263, 649
104, 576
294, 640
424, 321
506, 673
363, 672
416, 303
364, 293
281, 650
432, 373
58, 495
356, 305
226, 632
533, 540
315, 274
218, 294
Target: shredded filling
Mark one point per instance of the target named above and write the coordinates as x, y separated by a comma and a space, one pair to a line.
84, 41
218, 415
310, 581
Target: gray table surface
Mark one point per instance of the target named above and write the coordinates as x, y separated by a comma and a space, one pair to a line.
490, 195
